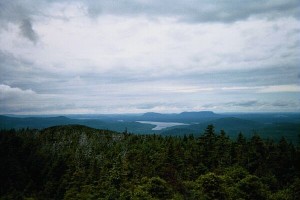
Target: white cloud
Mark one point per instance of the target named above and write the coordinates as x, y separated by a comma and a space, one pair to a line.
85, 59
280, 88
7, 92
157, 47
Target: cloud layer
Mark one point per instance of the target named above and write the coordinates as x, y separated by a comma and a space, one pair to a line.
138, 56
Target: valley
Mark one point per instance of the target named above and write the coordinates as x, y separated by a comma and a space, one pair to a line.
267, 125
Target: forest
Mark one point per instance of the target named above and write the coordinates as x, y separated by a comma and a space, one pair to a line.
78, 162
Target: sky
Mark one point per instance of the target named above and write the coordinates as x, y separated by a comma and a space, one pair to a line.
137, 56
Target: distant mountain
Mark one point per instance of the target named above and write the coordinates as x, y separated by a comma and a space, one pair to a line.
44, 122
268, 117
269, 125
33, 122
158, 117
153, 114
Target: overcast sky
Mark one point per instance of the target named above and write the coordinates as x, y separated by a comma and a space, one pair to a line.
136, 56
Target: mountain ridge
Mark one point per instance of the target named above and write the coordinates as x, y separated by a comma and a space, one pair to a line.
268, 125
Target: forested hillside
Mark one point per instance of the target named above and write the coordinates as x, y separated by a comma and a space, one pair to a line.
267, 125
77, 162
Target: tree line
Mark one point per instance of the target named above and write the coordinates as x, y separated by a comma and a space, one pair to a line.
77, 162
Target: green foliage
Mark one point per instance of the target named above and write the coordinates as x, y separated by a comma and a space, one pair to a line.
284, 194
153, 188
212, 186
77, 162
251, 187
235, 173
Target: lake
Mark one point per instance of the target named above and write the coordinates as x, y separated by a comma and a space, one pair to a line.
161, 125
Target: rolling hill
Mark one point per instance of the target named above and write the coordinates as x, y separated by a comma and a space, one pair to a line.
268, 125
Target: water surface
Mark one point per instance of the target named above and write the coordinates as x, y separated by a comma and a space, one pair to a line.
161, 125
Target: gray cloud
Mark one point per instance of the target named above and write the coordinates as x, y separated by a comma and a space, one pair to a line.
155, 55
193, 10
17, 100
197, 11
17, 71
255, 105
20, 12
281, 104
247, 103
275, 75
147, 106
27, 31
251, 103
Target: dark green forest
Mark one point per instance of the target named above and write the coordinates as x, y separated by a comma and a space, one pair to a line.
78, 162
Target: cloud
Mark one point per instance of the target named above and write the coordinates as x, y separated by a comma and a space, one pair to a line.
196, 11
15, 99
136, 56
146, 49
247, 103
26, 101
155, 106
7, 93
244, 103
21, 12
280, 88
256, 106
281, 104
27, 31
